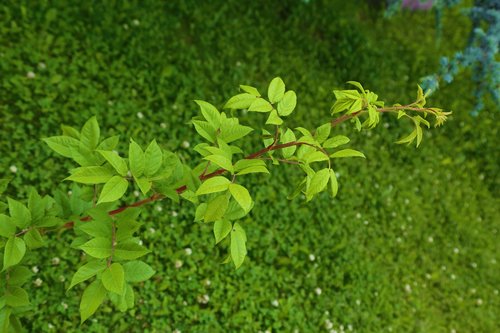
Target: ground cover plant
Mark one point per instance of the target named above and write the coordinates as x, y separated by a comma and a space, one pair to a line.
408, 247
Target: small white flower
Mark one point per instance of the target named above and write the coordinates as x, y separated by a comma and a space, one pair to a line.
203, 299
443, 268
428, 276
137, 193
407, 201
386, 125
456, 250
337, 174
207, 283
140, 115
453, 276
55, 261
35, 269
50, 326
407, 288
42, 65
366, 222
13, 169
188, 251
62, 278
312, 257
185, 144
163, 125
267, 331
152, 230
70, 193
328, 324
174, 213
358, 302
238, 64
64, 305
493, 261
453, 331
358, 215
399, 240
474, 265
174, 106
333, 331
479, 302
140, 242
275, 303
495, 291
159, 208
125, 26
318, 291
38, 282
184, 303
473, 290
30, 75
178, 264
430, 239
341, 328
136, 22
110, 103
349, 327
177, 331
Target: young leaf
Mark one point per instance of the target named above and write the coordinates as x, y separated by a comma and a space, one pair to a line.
33, 239
87, 271
113, 278
19, 213
136, 159
205, 129
337, 140
241, 195
254, 169
213, 185
238, 245
144, 184
222, 228
318, 183
210, 113
113, 190
90, 175
274, 119
116, 161
347, 153
92, 298
89, 136
322, 132
19, 275
137, 271
98, 247
62, 144
7, 227
250, 90
334, 186
276, 90
216, 208
260, 105
240, 101
287, 104
14, 251
221, 161
130, 250
288, 136
409, 139
153, 157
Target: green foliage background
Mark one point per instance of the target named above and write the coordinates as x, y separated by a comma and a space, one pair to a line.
371, 244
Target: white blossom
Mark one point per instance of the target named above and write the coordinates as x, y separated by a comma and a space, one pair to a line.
136, 22
140, 115
312, 257
275, 303
479, 302
42, 65
30, 75
203, 299
185, 144
407, 288
176, 331
55, 261
163, 125
430, 239
13, 169
50, 326
64, 305
159, 208
188, 251
35, 269
136, 193
358, 215
358, 302
38, 282
174, 213
207, 283
318, 291
328, 324
62, 278
456, 250
178, 264
152, 230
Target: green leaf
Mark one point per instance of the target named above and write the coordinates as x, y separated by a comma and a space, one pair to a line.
98, 247
241, 195
334, 186
409, 139
4, 182
113, 278
16, 297
115, 161
213, 185
136, 159
90, 175
276, 90
222, 228
347, 153
357, 85
318, 183
130, 250
287, 104
419, 135
109, 143
137, 271
341, 105
5, 318
144, 184
36, 205
33, 239
210, 113
260, 105
92, 298
19, 275
287, 137
14, 251
113, 190
323, 132
7, 227
89, 136
238, 245
62, 144
254, 169
240, 101
204, 129
337, 140
19, 213
153, 159
274, 119
87, 271
250, 90
316, 156
246, 163
221, 161
216, 208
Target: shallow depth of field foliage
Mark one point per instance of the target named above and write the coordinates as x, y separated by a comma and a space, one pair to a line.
410, 244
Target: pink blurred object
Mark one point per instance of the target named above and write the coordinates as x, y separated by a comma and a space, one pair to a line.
417, 4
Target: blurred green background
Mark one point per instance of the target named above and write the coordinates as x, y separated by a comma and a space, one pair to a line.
409, 245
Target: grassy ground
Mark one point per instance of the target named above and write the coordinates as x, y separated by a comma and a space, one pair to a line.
411, 243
